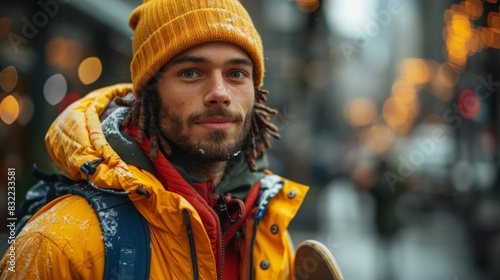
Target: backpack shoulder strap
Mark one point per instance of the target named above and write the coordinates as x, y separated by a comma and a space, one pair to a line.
125, 232
48, 188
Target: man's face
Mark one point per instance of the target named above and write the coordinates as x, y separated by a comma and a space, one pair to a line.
207, 97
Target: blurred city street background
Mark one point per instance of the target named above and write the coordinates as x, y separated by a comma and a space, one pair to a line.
388, 110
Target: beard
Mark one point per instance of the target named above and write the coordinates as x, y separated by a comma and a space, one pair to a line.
213, 146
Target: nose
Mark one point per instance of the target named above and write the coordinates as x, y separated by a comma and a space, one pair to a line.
218, 93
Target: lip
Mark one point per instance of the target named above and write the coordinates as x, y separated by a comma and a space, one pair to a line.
216, 122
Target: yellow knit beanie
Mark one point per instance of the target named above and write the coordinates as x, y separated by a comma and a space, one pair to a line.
165, 28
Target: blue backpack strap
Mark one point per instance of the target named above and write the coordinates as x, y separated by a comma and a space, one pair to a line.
125, 232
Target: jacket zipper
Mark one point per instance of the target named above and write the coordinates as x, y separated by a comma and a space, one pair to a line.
222, 247
220, 233
252, 242
268, 194
223, 251
191, 243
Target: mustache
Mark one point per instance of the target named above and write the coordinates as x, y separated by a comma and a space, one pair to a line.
214, 112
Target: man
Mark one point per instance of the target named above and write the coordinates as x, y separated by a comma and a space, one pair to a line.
189, 148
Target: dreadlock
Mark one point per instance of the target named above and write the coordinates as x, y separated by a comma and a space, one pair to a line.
145, 109
261, 130
143, 113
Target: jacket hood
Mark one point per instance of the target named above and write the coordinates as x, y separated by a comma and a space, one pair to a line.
76, 137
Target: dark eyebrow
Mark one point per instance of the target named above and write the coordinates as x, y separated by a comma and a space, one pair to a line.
242, 61
199, 59
186, 58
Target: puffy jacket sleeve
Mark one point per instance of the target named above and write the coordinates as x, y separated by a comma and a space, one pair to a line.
62, 241
37, 257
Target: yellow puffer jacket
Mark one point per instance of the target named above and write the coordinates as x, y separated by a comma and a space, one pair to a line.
64, 239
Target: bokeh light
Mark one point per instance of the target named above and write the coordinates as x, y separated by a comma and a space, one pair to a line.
475, 44
403, 106
441, 91
400, 116
433, 118
90, 70
55, 89
458, 33
447, 76
462, 38
469, 104
377, 138
416, 71
394, 113
8, 78
360, 111
5, 26
494, 21
26, 110
63, 53
461, 25
404, 93
487, 37
444, 82
9, 109
307, 6
474, 8
364, 176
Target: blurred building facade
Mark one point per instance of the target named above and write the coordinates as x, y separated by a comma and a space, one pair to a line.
388, 109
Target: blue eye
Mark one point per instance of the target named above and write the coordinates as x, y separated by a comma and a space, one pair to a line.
237, 74
189, 74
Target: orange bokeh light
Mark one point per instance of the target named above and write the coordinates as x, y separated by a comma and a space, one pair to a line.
378, 138
394, 113
461, 25
307, 6
63, 53
416, 71
403, 92
360, 111
90, 70
5, 26
494, 21
474, 8
9, 109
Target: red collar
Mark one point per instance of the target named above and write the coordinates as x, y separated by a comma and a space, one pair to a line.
201, 197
